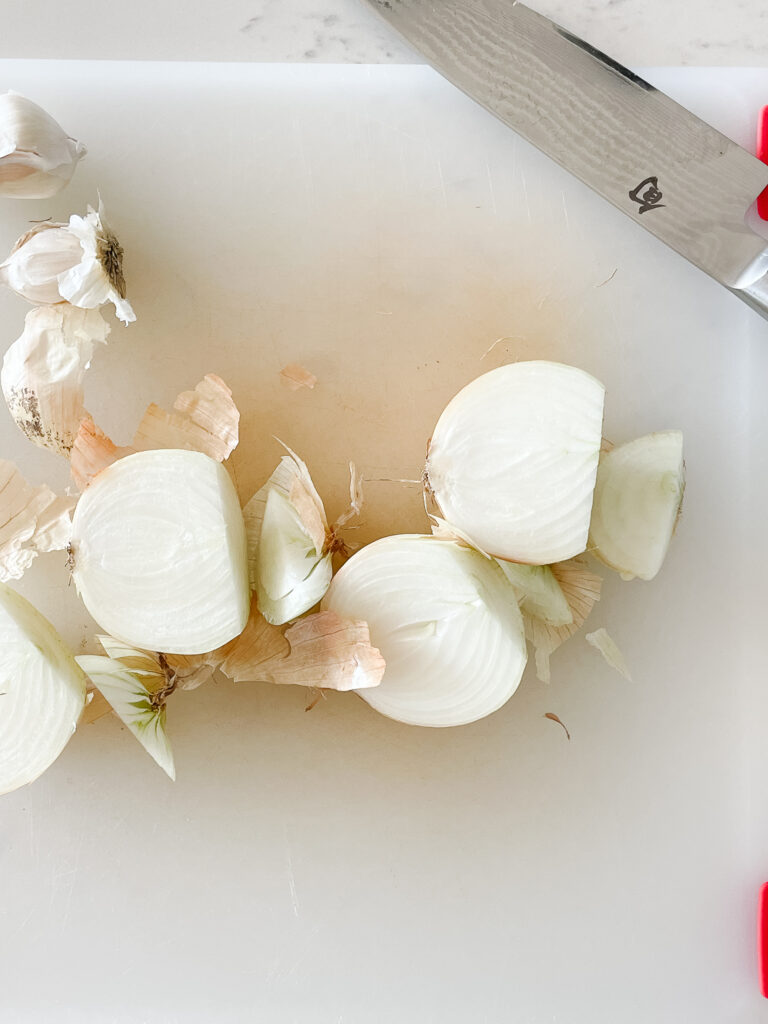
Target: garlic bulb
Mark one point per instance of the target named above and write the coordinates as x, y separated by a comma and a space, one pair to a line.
80, 262
43, 692
37, 157
637, 500
513, 460
43, 371
446, 622
159, 552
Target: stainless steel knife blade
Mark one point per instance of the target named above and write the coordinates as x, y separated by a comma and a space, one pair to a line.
675, 175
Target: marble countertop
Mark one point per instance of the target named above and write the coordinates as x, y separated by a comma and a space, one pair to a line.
636, 32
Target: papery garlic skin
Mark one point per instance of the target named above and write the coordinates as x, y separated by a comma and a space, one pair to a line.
43, 371
80, 262
37, 157
446, 622
159, 552
43, 692
513, 459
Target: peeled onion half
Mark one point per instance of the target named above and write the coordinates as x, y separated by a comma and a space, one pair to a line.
42, 692
159, 552
637, 499
446, 622
513, 460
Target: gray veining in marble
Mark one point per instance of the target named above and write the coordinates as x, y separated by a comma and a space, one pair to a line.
641, 32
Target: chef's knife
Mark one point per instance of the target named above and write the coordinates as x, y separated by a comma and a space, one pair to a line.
659, 163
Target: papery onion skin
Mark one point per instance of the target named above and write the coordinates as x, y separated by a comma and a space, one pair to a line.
43, 692
513, 459
446, 623
159, 552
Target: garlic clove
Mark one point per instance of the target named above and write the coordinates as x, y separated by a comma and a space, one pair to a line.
37, 157
37, 261
43, 371
80, 262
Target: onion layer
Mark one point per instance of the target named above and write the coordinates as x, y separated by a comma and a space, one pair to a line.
513, 459
446, 622
160, 552
43, 692
637, 499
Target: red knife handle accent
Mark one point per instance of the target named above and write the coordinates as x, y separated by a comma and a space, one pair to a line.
762, 939
762, 154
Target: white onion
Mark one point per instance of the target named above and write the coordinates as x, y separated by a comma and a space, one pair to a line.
637, 499
42, 692
160, 552
446, 622
513, 459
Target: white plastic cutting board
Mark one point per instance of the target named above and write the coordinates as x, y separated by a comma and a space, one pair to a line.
336, 867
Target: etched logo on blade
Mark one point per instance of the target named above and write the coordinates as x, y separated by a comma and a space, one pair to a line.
648, 195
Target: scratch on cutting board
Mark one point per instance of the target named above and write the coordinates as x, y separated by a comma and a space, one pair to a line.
291, 876
510, 337
608, 279
525, 195
442, 184
565, 211
490, 188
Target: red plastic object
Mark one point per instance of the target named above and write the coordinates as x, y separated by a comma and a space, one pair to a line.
762, 939
762, 154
